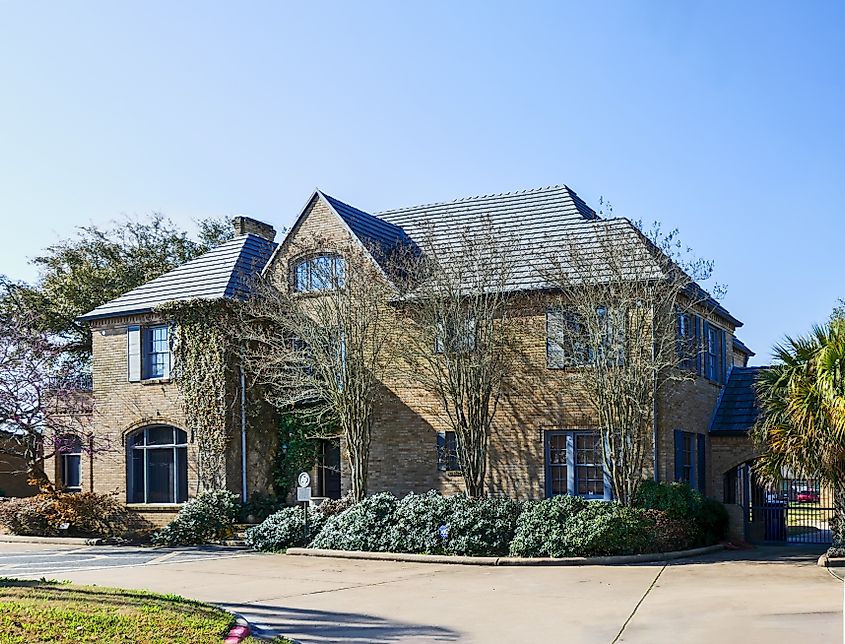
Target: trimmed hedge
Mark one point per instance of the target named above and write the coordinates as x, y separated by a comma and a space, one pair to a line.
670, 517
286, 528
541, 528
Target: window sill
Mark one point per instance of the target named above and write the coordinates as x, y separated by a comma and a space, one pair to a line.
451, 473
154, 507
155, 381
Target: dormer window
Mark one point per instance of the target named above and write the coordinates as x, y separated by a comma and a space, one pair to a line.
318, 273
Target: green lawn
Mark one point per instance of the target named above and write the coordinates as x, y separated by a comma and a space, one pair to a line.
49, 611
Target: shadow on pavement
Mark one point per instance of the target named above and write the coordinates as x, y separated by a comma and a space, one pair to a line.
315, 626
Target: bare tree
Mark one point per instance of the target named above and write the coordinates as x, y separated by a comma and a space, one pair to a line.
458, 346
43, 406
619, 323
315, 338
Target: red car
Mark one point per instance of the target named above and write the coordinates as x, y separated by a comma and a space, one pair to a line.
807, 496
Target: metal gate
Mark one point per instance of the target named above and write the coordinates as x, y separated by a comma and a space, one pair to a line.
794, 511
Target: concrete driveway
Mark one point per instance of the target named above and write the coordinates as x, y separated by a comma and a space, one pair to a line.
765, 595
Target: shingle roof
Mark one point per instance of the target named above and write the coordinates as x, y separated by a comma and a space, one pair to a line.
737, 409
223, 271
738, 344
378, 235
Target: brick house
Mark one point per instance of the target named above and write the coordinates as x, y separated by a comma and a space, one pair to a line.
543, 436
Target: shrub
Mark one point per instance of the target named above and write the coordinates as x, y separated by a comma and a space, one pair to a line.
608, 528
330, 507
285, 529
87, 514
259, 507
679, 501
417, 521
209, 516
671, 533
364, 526
712, 519
483, 527
541, 528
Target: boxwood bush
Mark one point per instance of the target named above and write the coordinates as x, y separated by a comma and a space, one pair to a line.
608, 528
481, 526
209, 516
285, 529
541, 528
417, 521
364, 526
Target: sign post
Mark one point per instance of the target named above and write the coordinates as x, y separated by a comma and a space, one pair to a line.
303, 495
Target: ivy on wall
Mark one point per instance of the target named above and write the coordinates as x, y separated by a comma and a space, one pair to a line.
204, 370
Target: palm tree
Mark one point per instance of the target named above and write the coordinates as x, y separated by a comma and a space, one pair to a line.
802, 421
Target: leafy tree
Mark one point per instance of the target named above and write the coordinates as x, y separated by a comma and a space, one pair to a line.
802, 424
42, 407
97, 265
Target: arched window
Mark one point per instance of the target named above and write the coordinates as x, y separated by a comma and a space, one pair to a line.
318, 273
157, 465
69, 449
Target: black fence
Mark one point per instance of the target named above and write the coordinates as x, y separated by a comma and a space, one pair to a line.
795, 511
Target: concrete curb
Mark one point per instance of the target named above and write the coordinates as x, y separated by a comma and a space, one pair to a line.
52, 541
828, 562
502, 561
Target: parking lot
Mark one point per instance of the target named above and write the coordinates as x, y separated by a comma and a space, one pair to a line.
768, 595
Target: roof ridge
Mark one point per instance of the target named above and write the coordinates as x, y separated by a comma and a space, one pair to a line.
478, 198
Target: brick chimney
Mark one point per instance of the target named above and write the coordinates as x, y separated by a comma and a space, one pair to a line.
244, 225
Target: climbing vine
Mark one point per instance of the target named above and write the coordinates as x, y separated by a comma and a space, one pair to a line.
203, 369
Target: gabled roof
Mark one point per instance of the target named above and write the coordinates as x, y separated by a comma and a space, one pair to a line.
222, 272
742, 348
737, 410
378, 235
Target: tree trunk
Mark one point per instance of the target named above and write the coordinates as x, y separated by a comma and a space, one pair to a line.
837, 523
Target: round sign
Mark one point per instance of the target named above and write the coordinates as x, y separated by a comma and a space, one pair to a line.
304, 479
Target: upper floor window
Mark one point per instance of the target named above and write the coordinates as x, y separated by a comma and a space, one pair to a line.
157, 351
455, 336
319, 273
568, 341
148, 352
714, 353
688, 325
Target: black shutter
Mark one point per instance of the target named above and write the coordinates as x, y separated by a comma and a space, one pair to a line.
702, 472
679, 454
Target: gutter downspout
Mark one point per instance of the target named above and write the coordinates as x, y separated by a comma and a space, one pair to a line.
243, 435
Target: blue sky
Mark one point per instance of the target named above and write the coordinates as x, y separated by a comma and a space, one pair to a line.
722, 119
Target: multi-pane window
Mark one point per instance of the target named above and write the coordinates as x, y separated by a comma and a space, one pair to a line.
568, 342
688, 340
589, 473
157, 464
70, 453
574, 464
714, 351
319, 273
455, 336
157, 351
690, 459
447, 452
